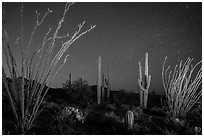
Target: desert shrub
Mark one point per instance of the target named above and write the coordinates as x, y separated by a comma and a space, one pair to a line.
195, 117
120, 97
154, 100
41, 126
124, 97
133, 99
74, 114
122, 109
69, 120
79, 92
137, 111
114, 124
102, 120
56, 95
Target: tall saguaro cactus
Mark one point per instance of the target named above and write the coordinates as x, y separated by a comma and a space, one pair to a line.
99, 81
103, 88
108, 83
70, 79
144, 84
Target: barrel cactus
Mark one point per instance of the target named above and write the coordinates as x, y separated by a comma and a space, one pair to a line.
129, 119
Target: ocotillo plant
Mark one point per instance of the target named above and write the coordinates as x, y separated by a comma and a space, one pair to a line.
129, 119
36, 69
144, 84
99, 81
182, 86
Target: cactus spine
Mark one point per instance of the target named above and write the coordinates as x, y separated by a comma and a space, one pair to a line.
129, 118
144, 84
99, 81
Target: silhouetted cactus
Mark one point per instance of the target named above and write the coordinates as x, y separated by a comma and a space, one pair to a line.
70, 78
103, 88
107, 82
144, 84
99, 81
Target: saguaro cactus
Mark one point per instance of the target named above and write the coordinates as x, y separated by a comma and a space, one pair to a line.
70, 79
103, 88
99, 81
108, 83
144, 84
80, 84
81, 81
129, 119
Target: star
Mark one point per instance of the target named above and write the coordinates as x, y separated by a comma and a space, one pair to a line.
187, 7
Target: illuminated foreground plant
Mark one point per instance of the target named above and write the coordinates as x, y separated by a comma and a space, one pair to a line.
182, 91
129, 118
144, 84
32, 77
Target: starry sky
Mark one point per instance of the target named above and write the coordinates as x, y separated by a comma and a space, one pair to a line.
123, 33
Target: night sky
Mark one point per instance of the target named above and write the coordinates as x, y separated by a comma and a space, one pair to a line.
123, 33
